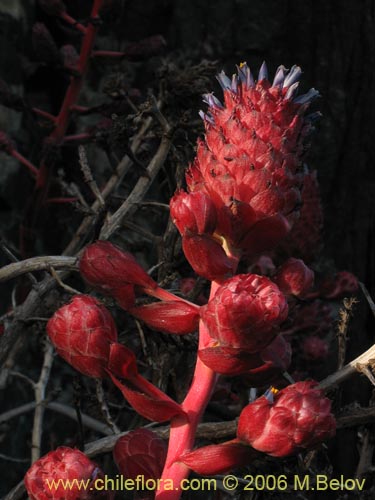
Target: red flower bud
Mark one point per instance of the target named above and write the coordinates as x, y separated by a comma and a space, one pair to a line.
294, 277
299, 417
140, 453
63, 464
83, 333
114, 272
175, 317
334, 287
207, 257
314, 348
193, 212
245, 312
219, 458
44, 45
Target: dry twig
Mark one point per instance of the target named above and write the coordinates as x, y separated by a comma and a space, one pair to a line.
40, 393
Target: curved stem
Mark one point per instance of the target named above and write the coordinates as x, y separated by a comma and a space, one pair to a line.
183, 429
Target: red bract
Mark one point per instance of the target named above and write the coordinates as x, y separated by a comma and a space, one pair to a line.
294, 277
219, 458
193, 212
83, 333
298, 417
257, 369
245, 312
140, 452
114, 272
207, 257
174, 317
251, 160
46, 477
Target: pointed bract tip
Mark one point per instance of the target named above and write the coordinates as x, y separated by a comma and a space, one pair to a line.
293, 76
263, 72
224, 81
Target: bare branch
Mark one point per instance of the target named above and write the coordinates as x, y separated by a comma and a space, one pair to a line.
140, 189
89, 422
36, 264
348, 370
40, 393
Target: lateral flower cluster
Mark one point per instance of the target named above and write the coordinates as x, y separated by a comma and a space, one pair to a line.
243, 198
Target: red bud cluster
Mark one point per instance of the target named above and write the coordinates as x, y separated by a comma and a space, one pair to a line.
47, 476
298, 417
245, 312
84, 334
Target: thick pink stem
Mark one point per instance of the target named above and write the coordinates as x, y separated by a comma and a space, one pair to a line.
182, 434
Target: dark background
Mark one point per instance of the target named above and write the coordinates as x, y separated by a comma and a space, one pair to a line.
333, 42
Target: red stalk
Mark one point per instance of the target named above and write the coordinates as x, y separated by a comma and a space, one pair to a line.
183, 429
63, 118
108, 53
44, 114
32, 168
73, 22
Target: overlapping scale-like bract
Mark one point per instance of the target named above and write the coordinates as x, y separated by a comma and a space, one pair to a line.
296, 418
46, 478
250, 163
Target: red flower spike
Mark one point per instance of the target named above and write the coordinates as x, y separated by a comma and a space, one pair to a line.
245, 312
147, 400
140, 453
82, 333
299, 417
173, 317
63, 464
253, 156
193, 212
112, 271
219, 458
207, 257
294, 278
